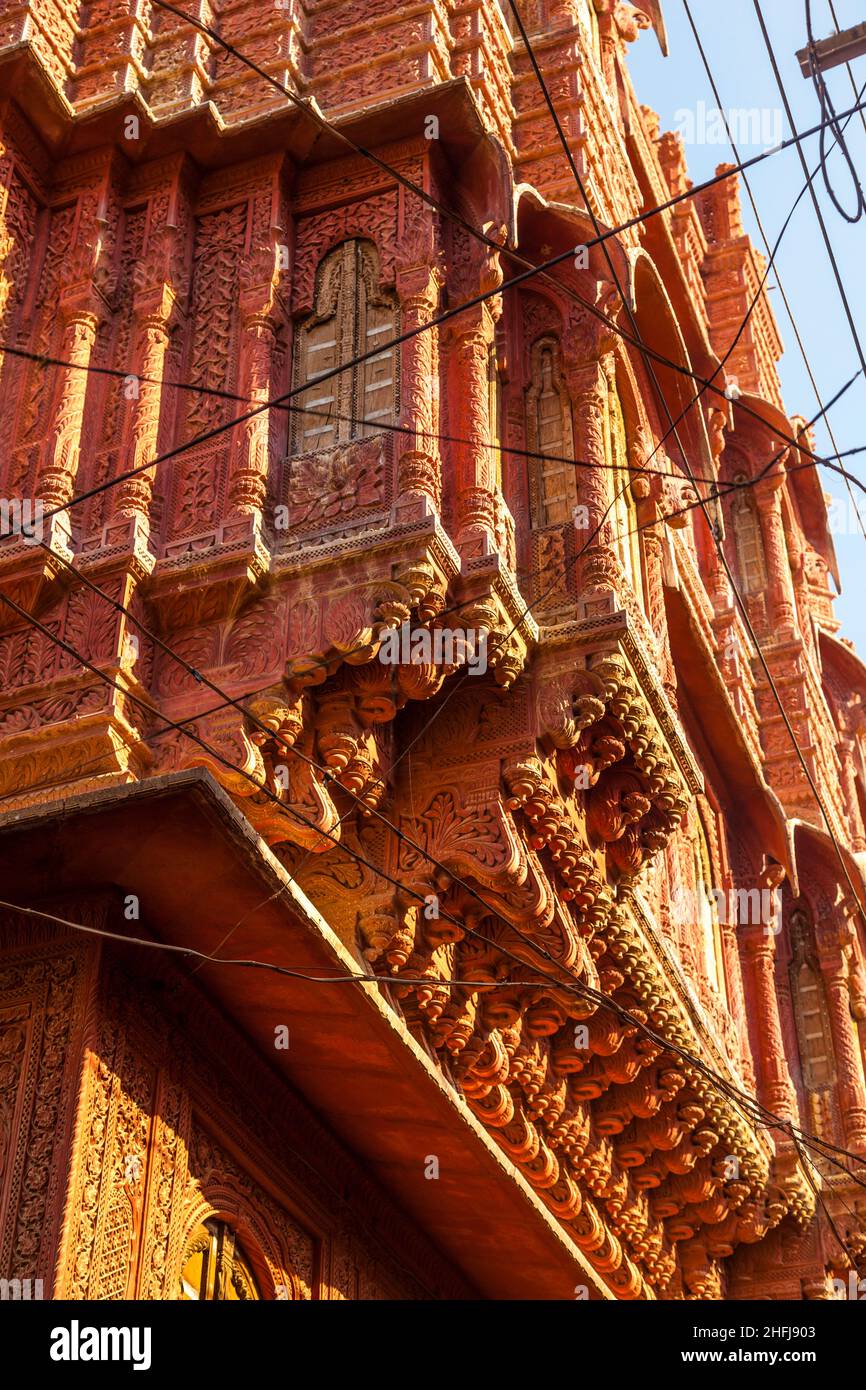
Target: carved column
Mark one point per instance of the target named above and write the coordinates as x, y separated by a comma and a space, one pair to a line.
132, 498
653, 546
781, 594
851, 1090
608, 39
759, 945
736, 992
469, 368
587, 385
59, 465
248, 478
7, 241
419, 467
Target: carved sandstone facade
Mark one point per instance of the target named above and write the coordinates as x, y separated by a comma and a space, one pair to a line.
587, 877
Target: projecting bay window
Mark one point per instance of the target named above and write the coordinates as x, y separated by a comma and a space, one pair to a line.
353, 316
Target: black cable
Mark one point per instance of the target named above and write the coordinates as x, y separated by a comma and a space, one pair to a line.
815, 203
234, 701
825, 101
43, 360
717, 541
749, 1105
521, 278
800, 344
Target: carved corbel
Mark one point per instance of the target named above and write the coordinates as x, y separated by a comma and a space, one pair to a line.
284, 795
565, 709
388, 932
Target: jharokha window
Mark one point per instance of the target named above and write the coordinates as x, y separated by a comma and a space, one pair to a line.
352, 315
215, 1267
747, 539
548, 410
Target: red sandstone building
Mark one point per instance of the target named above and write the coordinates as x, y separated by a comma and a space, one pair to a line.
598, 894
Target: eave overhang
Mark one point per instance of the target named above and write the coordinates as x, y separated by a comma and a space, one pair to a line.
747, 790
200, 871
288, 128
826, 846
843, 659
564, 226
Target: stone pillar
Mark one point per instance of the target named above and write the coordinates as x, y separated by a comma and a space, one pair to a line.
851, 1087
653, 547
587, 386
468, 372
737, 1007
59, 465
847, 759
132, 498
7, 241
782, 610
608, 38
248, 472
419, 466
775, 1089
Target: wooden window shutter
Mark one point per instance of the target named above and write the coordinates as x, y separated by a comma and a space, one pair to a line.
550, 433
351, 317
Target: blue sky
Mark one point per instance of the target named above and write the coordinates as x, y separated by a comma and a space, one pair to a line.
735, 48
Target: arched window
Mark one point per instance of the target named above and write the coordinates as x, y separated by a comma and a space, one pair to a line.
814, 1039
748, 541
549, 433
215, 1267
352, 315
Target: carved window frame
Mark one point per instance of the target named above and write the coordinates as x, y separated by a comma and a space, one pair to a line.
546, 349
225, 1263
818, 1068
748, 544
351, 306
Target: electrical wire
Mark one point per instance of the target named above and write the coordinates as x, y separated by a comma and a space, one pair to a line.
532, 270
840, 284
825, 101
409, 431
236, 701
713, 531
750, 1106
127, 693
746, 181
